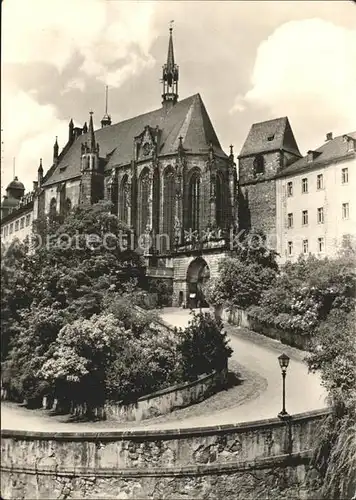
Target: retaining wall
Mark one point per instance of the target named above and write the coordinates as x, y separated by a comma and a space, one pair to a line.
239, 317
161, 402
257, 460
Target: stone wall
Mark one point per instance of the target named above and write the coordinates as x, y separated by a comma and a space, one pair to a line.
161, 402
239, 317
264, 459
181, 264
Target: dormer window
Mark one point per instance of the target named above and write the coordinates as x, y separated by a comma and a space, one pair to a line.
259, 165
270, 137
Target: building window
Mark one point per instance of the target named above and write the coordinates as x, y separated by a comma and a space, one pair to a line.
194, 201
11, 228
124, 199
290, 248
144, 196
345, 175
290, 221
219, 194
22, 222
304, 185
321, 215
259, 165
345, 210
156, 188
321, 244
28, 220
319, 181
289, 189
305, 217
169, 207
305, 247
17, 225
53, 208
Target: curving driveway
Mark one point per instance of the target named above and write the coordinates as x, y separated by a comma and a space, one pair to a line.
257, 353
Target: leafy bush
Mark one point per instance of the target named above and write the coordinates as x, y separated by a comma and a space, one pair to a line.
334, 354
203, 346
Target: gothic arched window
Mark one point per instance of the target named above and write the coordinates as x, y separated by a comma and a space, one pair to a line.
194, 201
67, 206
124, 199
168, 205
219, 202
53, 208
144, 195
155, 201
259, 165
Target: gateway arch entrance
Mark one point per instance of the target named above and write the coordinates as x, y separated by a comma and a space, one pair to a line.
198, 274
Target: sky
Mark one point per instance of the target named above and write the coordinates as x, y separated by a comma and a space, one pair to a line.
250, 61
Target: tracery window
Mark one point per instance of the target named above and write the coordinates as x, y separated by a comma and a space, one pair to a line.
194, 201
219, 193
144, 196
168, 206
124, 199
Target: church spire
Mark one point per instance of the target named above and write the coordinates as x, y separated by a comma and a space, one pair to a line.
92, 145
106, 118
170, 73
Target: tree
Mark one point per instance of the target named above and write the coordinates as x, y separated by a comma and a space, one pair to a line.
334, 355
203, 346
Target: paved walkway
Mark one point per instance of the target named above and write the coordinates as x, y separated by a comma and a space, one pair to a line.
257, 353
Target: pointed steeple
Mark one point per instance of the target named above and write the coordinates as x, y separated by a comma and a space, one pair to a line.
40, 174
106, 121
91, 142
170, 74
71, 130
55, 150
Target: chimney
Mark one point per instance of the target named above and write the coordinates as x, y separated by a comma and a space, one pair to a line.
329, 137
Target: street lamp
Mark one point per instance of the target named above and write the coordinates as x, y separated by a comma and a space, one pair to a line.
283, 363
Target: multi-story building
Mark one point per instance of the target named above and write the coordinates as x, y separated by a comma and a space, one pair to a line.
315, 209
16, 213
303, 204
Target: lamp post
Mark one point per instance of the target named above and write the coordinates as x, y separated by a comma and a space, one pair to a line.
283, 363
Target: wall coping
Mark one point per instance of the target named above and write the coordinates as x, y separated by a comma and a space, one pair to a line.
177, 387
180, 433
292, 459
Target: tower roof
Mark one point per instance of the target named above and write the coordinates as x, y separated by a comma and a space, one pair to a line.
270, 135
187, 118
15, 185
170, 55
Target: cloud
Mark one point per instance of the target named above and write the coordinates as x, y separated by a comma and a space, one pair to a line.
111, 42
104, 34
30, 132
305, 69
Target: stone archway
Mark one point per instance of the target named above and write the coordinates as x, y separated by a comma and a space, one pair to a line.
197, 274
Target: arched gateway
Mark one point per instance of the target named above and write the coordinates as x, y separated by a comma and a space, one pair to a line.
198, 274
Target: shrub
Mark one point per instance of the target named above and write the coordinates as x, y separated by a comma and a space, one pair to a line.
203, 346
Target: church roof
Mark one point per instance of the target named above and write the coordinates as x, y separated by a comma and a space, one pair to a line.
187, 118
270, 135
333, 150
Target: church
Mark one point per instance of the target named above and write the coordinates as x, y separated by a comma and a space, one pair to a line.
166, 176
170, 182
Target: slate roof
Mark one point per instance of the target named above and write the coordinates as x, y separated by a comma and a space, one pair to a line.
187, 118
331, 151
270, 135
